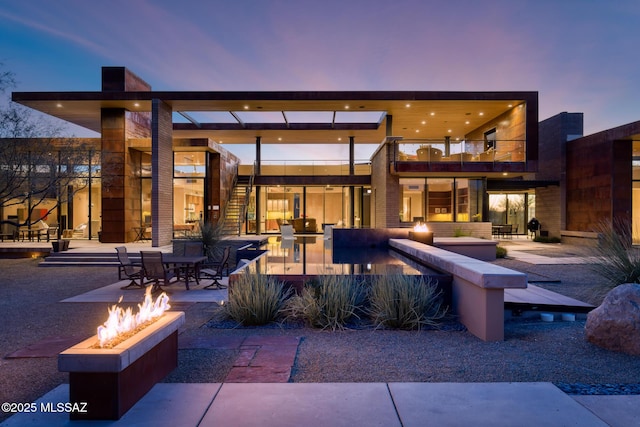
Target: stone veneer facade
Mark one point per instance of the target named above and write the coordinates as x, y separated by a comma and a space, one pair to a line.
386, 189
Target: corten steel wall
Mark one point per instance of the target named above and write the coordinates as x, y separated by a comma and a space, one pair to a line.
120, 189
120, 193
599, 178
162, 174
386, 190
553, 135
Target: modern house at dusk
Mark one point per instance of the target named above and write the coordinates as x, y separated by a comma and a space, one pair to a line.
456, 160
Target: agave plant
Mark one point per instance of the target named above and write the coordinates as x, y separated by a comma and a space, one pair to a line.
616, 259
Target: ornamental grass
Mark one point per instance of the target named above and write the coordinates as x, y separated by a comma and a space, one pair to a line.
328, 302
256, 299
405, 302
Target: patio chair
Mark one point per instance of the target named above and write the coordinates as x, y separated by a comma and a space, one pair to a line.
191, 249
129, 269
155, 269
215, 271
286, 231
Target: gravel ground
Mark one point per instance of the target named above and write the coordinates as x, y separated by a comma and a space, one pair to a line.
532, 350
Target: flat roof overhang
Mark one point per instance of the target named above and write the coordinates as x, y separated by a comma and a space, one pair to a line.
418, 114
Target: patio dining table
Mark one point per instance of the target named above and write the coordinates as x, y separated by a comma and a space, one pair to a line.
190, 265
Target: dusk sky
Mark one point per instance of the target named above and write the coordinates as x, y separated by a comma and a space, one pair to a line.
580, 55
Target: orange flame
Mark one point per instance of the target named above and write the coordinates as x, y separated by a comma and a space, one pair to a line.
121, 321
420, 227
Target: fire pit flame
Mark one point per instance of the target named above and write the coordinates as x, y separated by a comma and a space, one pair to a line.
122, 321
420, 227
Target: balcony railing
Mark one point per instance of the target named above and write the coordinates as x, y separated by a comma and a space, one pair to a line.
435, 151
307, 168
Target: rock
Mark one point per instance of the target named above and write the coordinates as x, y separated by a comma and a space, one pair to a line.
615, 324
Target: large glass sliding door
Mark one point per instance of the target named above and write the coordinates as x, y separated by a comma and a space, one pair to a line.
308, 209
510, 209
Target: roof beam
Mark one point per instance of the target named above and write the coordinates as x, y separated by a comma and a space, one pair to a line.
191, 119
235, 116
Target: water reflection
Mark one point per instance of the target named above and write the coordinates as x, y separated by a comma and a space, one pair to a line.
312, 255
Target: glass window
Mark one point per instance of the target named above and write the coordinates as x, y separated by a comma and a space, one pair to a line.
191, 164
440, 199
188, 200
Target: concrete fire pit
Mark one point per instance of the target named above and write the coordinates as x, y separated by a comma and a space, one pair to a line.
425, 237
111, 381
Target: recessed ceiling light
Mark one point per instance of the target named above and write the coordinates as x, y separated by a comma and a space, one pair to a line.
59, 105
246, 107
481, 113
505, 173
467, 122
433, 114
510, 105
346, 107
424, 122
458, 139
135, 104
448, 130
279, 138
408, 105
417, 130
339, 139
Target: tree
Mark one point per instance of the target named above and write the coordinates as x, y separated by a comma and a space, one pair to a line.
39, 170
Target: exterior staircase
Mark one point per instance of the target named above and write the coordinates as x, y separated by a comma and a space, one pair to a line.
237, 206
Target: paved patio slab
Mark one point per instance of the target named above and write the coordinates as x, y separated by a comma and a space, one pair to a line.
301, 404
617, 411
48, 347
177, 293
488, 404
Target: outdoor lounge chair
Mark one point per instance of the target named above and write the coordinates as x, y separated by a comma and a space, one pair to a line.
215, 271
155, 269
129, 269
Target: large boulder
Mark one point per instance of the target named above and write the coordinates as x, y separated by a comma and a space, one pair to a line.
615, 324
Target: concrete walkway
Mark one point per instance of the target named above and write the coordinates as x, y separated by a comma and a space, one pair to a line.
355, 404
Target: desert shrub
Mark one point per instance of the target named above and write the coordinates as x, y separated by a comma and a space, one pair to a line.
616, 260
501, 252
405, 302
459, 232
329, 302
255, 299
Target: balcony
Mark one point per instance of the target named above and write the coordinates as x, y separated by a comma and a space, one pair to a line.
462, 156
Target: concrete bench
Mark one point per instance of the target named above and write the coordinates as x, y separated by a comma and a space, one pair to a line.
478, 286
